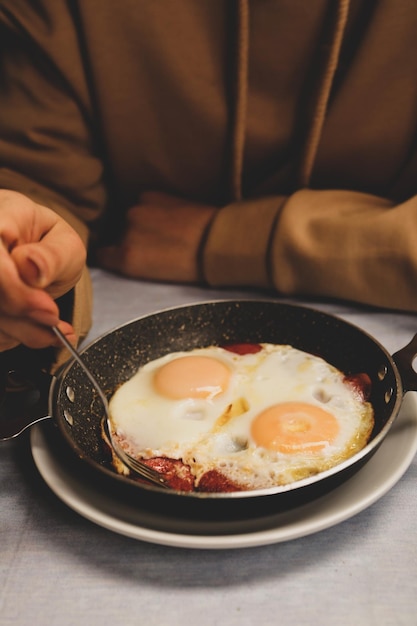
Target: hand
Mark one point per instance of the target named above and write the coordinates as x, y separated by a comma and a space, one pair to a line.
41, 258
161, 241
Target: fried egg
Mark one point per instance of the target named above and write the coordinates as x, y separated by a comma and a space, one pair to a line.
262, 419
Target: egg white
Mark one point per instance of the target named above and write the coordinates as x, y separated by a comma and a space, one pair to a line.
216, 433
164, 426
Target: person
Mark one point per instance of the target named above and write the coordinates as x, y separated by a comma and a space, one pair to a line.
263, 144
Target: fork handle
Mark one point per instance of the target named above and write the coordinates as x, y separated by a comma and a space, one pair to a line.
75, 354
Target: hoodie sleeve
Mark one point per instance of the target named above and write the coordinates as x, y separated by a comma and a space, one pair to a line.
321, 243
47, 139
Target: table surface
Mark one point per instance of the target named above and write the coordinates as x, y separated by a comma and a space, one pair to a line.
57, 567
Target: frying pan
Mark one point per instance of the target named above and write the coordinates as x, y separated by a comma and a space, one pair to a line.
75, 429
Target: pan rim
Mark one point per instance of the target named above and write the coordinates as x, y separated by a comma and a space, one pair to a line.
289, 488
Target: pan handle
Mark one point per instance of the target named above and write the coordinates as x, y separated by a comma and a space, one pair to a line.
23, 401
404, 361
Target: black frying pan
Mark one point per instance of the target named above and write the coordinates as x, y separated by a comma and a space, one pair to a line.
115, 357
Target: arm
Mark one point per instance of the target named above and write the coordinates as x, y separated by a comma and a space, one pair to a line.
50, 178
41, 259
336, 244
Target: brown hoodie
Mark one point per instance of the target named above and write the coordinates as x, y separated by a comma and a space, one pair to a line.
297, 119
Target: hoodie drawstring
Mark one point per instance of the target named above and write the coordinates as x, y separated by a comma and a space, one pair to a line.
319, 110
239, 131
324, 89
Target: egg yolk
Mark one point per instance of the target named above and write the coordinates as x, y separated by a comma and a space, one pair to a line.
192, 377
293, 427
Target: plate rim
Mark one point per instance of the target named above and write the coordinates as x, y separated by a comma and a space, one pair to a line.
308, 519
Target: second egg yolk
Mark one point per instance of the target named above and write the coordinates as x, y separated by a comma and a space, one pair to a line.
293, 427
192, 377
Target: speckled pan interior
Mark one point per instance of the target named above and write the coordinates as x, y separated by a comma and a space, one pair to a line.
118, 354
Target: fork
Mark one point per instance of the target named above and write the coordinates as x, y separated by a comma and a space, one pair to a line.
138, 467
131, 462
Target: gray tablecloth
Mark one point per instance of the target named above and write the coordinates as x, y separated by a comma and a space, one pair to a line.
58, 568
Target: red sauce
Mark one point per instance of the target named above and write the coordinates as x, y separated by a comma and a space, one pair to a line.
214, 482
176, 473
243, 348
179, 477
361, 383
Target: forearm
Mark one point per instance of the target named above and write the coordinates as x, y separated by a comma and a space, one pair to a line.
335, 244
237, 246
347, 245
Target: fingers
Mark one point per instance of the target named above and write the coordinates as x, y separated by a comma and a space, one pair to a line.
41, 258
27, 314
19, 331
54, 263
17, 299
32, 266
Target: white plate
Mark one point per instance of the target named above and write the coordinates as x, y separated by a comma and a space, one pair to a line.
371, 482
